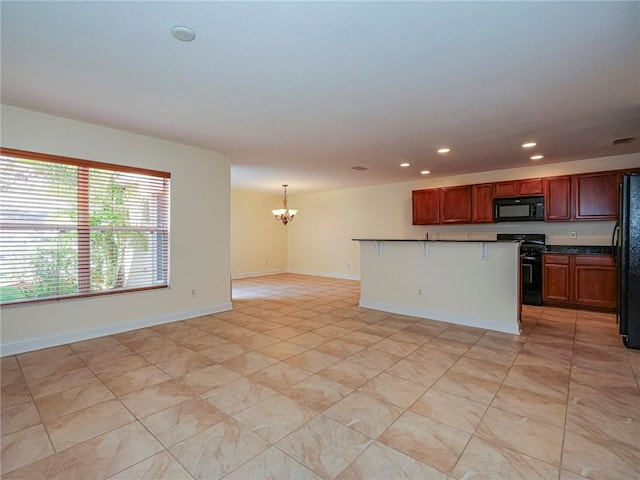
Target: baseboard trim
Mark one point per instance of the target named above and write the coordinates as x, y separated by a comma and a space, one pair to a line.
342, 276
257, 274
297, 272
14, 347
466, 320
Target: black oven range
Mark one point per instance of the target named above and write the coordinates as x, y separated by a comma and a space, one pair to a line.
531, 248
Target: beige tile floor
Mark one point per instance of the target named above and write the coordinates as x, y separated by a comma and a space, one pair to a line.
298, 382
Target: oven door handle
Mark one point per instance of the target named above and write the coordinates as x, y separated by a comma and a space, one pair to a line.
530, 258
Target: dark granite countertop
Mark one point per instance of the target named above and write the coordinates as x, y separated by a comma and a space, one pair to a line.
419, 240
581, 249
566, 249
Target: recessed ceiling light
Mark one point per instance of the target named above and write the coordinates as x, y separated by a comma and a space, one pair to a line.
537, 157
184, 34
405, 164
444, 150
529, 145
425, 172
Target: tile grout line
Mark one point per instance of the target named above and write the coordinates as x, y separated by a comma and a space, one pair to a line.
486, 409
566, 411
379, 321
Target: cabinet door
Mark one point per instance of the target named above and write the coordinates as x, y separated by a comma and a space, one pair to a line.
514, 188
556, 278
558, 198
595, 281
505, 189
596, 196
532, 186
482, 203
426, 206
455, 204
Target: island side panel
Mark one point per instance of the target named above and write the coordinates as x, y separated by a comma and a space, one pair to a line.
451, 283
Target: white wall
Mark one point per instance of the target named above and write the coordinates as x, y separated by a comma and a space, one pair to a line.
468, 283
259, 243
321, 242
200, 233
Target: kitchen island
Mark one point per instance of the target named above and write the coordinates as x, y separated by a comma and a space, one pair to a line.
474, 283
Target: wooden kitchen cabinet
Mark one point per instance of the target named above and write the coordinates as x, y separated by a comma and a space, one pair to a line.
426, 206
595, 281
588, 196
515, 188
580, 197
482, 203
556, 278
532, 186
505, 189
595, 196
455, 204
579, 281
558, 198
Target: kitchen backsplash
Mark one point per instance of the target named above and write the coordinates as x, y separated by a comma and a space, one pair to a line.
558, 233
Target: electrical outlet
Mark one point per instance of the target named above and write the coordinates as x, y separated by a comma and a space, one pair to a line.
193, 292
419, 292
574, 235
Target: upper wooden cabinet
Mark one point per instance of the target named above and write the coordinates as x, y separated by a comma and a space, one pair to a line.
515, 188
426, 206
595, 196
442, 205
455, 204
588, 196
558, 198
482, 203
505, 189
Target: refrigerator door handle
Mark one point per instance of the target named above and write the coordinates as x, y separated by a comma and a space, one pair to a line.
615, 242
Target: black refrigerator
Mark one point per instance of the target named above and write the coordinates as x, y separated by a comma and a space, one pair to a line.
626, 243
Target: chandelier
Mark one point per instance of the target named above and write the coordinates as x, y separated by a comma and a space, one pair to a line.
284, 215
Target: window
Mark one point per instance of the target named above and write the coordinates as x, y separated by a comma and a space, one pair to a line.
73, 228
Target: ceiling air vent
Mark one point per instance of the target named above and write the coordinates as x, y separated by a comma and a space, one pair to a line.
622, 141
360, 169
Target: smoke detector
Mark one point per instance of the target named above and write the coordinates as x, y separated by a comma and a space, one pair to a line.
184, 34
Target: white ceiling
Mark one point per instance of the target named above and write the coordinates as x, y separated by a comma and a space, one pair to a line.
301, 92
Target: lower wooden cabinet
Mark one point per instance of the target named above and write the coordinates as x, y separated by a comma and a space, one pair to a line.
595, 281
556, 278
580, 281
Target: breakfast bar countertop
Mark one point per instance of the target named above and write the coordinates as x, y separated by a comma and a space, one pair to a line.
475, 283
418, 240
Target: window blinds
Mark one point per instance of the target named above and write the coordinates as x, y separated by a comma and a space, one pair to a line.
72, 228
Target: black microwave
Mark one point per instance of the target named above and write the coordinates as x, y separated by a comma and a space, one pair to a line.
518, 209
